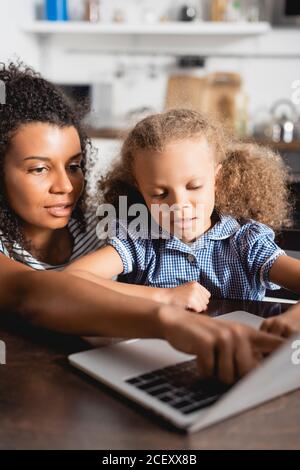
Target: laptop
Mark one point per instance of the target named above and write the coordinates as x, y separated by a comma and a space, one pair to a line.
160, 378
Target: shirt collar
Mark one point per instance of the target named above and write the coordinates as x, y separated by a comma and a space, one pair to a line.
223, 228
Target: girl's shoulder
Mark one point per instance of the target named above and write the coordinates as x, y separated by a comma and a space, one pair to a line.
236, 230
251, 230
134, 231
253, 237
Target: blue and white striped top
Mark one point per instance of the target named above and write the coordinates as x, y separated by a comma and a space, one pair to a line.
84, 243
231, 260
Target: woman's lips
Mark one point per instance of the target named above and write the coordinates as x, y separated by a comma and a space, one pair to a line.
60, 210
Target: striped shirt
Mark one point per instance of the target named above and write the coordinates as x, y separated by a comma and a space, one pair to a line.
231, 260
84, 242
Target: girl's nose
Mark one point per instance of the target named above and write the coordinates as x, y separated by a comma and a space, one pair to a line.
62, 184
179, 200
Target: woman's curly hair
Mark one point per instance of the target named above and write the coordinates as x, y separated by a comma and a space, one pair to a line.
252, 182
30, 98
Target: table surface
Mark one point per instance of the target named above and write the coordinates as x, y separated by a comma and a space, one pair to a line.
47, 404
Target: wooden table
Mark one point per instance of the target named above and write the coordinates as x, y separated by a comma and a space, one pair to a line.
46, 404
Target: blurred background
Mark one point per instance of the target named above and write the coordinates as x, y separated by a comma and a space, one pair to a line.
238, 60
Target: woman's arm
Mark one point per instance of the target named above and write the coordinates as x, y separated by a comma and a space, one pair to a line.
102, 265
63, 303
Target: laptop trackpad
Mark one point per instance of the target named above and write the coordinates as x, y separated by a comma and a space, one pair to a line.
243, 317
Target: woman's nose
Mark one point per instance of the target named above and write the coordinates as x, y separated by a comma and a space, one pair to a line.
61, 184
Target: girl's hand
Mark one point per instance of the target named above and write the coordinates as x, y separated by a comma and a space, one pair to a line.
191, 296
284, 325
224, 349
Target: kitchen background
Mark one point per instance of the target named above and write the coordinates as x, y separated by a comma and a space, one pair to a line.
239, 60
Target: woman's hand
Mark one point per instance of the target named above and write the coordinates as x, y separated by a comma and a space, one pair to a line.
284, 325
226, 349
191, 296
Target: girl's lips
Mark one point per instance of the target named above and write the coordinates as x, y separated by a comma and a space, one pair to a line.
185, 223
60, 211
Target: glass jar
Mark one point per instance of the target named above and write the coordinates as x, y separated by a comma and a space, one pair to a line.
92, 11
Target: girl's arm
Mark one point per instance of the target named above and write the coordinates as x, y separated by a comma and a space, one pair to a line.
286, 273
58, 301
284, 325
102, 265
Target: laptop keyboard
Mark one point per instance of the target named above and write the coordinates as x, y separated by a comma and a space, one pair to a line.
180, 387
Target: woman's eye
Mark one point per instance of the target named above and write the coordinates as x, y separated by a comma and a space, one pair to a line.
38, 171
74, 168
192, 188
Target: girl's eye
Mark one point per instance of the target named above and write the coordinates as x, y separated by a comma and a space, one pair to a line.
38, 171
192, 188
159, 196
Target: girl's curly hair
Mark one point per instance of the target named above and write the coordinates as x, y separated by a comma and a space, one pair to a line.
30, 98
252, 182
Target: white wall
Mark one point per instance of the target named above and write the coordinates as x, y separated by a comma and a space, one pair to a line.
13, 43
80, 60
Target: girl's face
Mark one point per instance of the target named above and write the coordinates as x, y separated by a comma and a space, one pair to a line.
182, 178
42, 174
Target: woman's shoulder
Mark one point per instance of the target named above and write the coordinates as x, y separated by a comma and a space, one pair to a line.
85, 236
3, 245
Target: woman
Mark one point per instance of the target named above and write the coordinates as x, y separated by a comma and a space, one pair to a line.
43, 150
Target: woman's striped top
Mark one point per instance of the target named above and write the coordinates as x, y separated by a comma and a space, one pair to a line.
84, 242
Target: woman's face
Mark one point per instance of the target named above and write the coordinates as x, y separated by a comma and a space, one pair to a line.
42, 174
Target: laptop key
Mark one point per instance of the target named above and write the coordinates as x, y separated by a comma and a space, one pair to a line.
201, 404
166, 398
151, 384
135, 381
182, 404
158, 391
179, 386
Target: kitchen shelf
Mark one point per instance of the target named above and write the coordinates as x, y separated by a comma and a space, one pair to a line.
117, 133
205, 28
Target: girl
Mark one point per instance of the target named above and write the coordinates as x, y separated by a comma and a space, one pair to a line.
43, 148
227, 197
